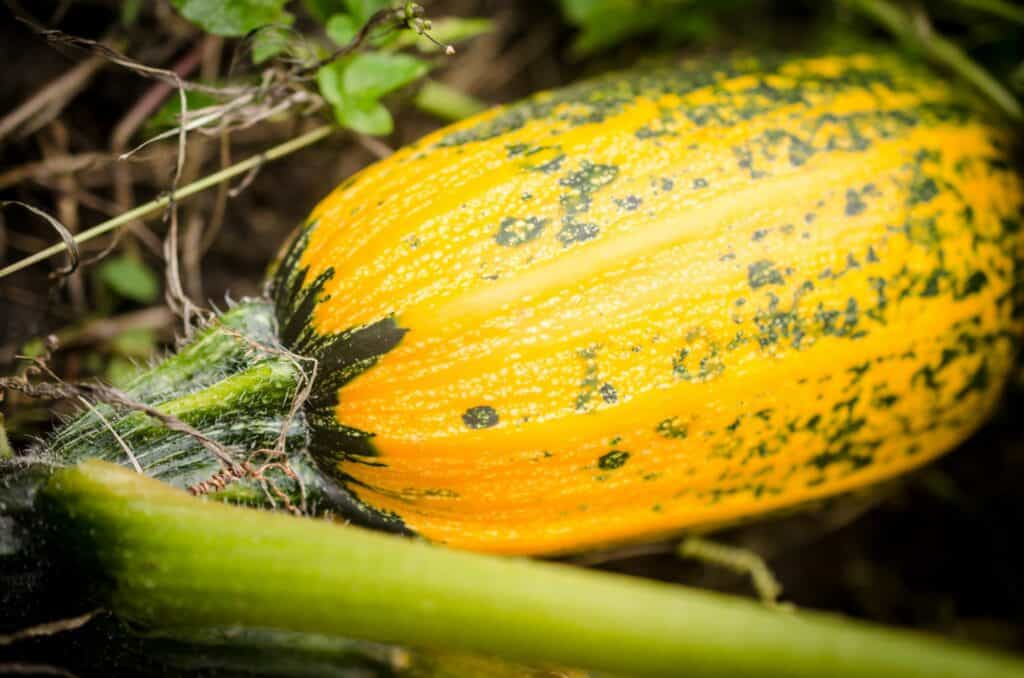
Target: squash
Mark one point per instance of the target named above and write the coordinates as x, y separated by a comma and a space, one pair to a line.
661, 299
667, 298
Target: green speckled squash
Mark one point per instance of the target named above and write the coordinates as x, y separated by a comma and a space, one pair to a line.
662, 299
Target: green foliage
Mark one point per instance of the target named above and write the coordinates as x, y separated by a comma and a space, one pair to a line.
321, 10
130, 11
362, 10
606, 23
233, 18
270, 41
446, 102
168, 116
603, 23
354, 85
445, 31
120, 371
129, 278
342, 28
136, 342
375, 74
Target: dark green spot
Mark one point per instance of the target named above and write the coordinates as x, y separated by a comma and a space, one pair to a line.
672, 428
550, 166
923, 191
629, 203
763, 272
974, 284
854, 204
514, 231
481, 416
613, 460
979, 382
575, 232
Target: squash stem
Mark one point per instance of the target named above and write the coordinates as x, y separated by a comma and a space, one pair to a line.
178, 562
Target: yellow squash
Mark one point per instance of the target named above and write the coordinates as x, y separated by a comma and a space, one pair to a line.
665, 298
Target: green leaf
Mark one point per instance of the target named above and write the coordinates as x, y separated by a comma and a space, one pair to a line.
135, 343
167, 116
362, 114
446, 102
271, 41
341, 28
374, 74
446, 31
120, 372
130, 11
329, 79
603, 23
321, 10
33, 348
362, 10
130, 278
232, 17
367, 117
354, 84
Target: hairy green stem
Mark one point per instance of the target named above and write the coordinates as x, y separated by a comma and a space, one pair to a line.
174, 561
940, 50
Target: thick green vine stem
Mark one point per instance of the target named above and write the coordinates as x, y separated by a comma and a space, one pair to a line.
176, 562
234, 389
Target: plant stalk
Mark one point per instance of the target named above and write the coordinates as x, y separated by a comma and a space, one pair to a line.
163, 201
942, 51
175, 561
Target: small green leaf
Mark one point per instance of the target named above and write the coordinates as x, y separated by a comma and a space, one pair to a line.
603, 23
33, 348
137, 343
120, 372
367, 117
321, 10
354, 84
329, 79
362, 114
374, 74
446, 102
341, 28
232, 17
130, 12
167, 115
362, 10
130, 278
446, 31
271, 41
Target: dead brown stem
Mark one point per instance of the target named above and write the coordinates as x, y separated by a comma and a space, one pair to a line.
53, 166
49, 628
57, 143
51, 98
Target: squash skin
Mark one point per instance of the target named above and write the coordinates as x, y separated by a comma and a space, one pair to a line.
669, 298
